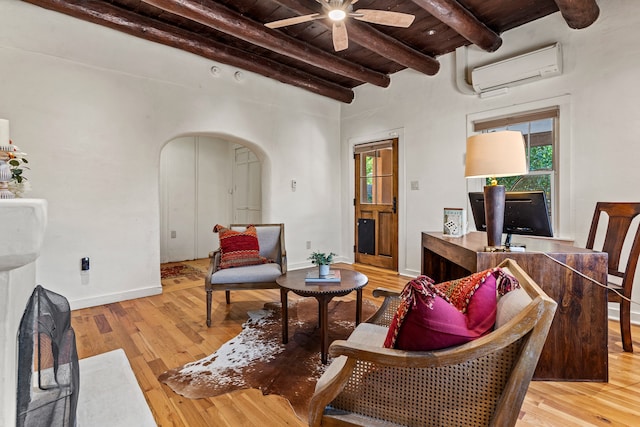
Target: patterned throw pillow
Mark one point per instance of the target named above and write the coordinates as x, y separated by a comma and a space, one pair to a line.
435, 316
239, 248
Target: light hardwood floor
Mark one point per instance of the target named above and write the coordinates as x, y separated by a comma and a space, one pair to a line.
168, 330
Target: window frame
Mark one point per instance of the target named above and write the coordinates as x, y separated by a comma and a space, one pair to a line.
562, 202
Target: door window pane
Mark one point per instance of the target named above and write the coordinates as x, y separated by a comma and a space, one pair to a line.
376, 176
386, 190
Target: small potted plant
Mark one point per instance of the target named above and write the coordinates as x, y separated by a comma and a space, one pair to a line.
322, 260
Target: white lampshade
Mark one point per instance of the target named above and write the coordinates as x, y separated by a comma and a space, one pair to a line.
495, 154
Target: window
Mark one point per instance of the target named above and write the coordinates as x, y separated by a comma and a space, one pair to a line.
376, 172
539, 129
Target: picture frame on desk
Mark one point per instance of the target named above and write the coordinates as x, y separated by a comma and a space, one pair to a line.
455, 222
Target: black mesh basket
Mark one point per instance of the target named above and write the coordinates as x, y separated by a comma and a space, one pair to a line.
48, 377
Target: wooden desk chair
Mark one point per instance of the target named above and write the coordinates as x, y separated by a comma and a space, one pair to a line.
481, 383
620, 214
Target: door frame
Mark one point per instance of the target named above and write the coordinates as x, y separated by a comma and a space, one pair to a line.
379, 212
402, 202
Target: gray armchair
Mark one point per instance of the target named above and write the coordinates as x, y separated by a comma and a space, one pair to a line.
261, 276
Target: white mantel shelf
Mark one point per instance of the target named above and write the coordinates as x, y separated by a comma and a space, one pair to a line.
22, 227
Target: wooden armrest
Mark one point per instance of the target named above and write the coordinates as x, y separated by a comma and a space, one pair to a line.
283, 262
379, 355
384, 292
214, 256
408, 359
513, 330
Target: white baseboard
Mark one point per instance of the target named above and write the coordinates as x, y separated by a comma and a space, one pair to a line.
114, 297
409, 272
614, 314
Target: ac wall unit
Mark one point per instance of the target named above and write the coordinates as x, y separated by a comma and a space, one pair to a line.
536, 65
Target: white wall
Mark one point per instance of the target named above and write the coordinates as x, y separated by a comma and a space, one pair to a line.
601, 68
93, 108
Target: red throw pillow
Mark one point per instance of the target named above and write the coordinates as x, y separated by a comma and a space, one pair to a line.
239, 248
432, 317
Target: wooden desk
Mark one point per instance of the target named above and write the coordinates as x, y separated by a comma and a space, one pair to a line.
576, 347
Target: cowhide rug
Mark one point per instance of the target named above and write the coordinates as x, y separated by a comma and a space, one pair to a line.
256, 358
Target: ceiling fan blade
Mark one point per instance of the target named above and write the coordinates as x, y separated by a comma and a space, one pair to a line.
384, 17
340, 37
292, 21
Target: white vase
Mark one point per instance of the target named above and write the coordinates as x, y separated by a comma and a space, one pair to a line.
5, 171
5, 177
324, 270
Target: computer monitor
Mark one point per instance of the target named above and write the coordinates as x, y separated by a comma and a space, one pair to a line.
525, 212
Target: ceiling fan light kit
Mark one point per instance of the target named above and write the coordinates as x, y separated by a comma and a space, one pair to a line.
338, 10
337, 14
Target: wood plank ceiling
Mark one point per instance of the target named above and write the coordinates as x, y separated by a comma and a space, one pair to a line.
232, 32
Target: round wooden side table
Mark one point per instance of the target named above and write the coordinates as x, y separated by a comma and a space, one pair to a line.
294, 281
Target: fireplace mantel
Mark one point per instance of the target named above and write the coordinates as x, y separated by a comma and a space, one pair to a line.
22, 227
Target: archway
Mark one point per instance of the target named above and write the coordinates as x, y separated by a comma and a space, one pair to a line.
199, 178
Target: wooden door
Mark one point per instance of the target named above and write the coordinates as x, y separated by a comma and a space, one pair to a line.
376, 204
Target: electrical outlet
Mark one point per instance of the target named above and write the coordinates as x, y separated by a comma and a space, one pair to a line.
173, 234
308, 244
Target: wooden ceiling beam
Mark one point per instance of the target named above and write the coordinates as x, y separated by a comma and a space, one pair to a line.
102, 13
579, 13
376, 41
217, 16
388, 47
463, 22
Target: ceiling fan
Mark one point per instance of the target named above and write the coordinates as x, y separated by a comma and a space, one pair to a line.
338, 10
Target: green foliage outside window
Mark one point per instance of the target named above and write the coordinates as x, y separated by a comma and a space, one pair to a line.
539, 157
369, 174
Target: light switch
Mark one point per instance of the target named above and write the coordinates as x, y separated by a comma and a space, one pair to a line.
294, 183
415, 185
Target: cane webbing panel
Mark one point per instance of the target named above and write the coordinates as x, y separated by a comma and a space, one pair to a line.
464, 394
385, 314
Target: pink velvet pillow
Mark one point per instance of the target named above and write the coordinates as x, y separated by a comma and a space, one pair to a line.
432, 317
